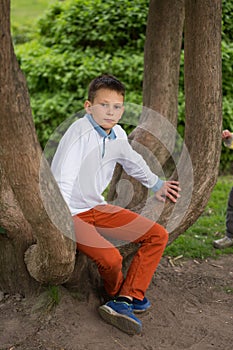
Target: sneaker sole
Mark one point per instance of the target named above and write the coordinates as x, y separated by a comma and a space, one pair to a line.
138, 311
123, 322
219, 246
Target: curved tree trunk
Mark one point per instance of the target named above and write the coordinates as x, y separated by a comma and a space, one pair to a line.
197, 168
155, 134
29, 181
203, 102
15, 238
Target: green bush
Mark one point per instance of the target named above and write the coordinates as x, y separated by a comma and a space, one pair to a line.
94, 23
76, 40
72, 45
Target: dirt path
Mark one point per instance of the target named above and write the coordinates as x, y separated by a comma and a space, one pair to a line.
192, 309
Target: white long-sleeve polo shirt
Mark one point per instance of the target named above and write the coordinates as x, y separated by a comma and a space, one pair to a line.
85, 159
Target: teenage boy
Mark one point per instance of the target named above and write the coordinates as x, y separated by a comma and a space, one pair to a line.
83, 166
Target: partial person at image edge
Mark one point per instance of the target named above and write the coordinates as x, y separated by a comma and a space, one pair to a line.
227, 241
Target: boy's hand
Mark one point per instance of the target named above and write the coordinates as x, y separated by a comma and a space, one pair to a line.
226, 134
170, 189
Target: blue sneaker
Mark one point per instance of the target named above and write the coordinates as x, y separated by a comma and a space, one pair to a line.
120, 315
140, 306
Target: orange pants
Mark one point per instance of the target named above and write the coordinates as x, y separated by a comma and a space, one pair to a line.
100, 229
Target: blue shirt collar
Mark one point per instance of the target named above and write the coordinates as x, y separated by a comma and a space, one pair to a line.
100, 130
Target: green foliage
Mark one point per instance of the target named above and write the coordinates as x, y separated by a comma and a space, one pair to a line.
73, 45
227, 24
197, 241
23, 14
54, 296
76, 40
104, 25
227, 90
226, 163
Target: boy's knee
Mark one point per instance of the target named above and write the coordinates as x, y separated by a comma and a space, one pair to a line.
111, 261
162, 233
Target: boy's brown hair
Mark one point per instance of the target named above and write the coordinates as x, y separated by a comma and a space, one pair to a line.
105, 81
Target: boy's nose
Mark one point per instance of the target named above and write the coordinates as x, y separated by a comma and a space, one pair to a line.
110, 110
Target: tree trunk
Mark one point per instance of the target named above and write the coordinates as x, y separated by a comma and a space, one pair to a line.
156, 133
30, 199
15, 238
162, 57
203, 102
197, 165
197, 168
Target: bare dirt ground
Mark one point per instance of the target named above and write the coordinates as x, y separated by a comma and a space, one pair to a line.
192, 309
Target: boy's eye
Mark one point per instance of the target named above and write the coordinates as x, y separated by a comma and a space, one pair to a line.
118, 106
107, 105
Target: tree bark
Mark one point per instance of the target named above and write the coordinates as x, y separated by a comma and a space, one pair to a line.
28, 179
197, 168
197, 164
162, 57
156, 133
15, 238
203, 101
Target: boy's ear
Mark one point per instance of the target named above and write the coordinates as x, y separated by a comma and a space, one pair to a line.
87, 106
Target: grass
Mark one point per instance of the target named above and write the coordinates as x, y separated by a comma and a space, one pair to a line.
196, 242
54, 296
24, 12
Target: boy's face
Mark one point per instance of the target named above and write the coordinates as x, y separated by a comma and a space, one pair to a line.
106, 109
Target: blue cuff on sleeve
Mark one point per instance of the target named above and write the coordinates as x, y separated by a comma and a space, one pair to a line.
157, 186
